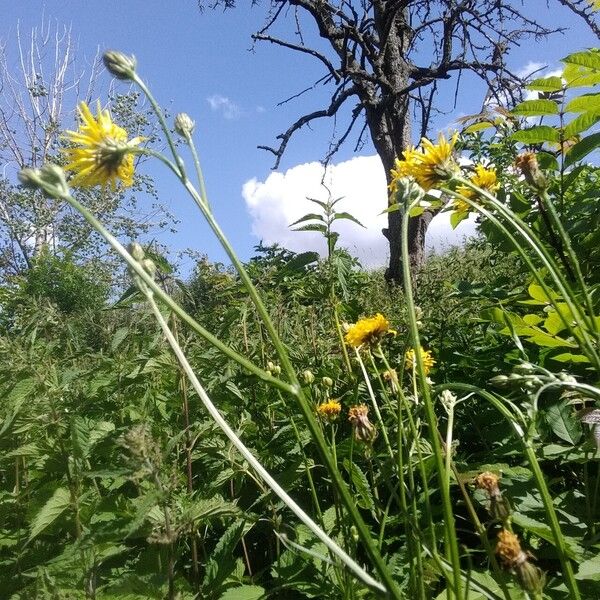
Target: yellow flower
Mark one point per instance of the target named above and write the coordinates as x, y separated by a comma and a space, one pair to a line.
368, 331
330, 410
484, 178
102, 155
426, 357
429, 166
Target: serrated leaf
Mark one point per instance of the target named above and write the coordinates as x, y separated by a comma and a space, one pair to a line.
244, 592
361, 483
347, 216
536, 135
581, 123
14, 401
562, 421
589, 569
546, 84
308, 217
567, 357
580, 76
582, 148
80, 436
312, 227
56, 505
535, 108
583, 103
590, 59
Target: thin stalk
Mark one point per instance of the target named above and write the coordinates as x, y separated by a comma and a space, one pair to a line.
286, 364
197, 165
451, 539
252, 461
559, 541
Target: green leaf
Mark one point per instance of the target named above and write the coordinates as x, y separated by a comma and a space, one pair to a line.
348, 216
535, 108
546, 84
244, 592
583, 103
80, 437
581, 123
571, 358
589, 569
563, 422
580, 76
56, 505
308, 217
478, 127
312, 227
590, 59
456, 217
15, 399
582, 148
536, 135
361, 483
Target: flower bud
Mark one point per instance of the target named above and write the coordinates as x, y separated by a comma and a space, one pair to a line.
184, 125
327, 382
308, 376
50, 178
149, 266
136, 251
119, 65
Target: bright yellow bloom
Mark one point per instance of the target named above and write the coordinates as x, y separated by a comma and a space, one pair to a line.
426, 357
430, 165
368, 331
330, 410
102, 155
484, 178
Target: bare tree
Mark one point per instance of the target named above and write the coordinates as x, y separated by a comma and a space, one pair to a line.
386, 60
41, 82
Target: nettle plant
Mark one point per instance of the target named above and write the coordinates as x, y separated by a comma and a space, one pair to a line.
382, 501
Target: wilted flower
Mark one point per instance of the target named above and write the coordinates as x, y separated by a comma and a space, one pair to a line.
364, 430
509, 551
368, 331
426, 357
430, 165
499, 507
330, 410
527, 163
391, 376
102, 153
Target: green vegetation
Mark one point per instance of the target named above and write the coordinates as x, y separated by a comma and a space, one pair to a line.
293, 427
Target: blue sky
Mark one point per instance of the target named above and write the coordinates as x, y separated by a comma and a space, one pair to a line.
201, 63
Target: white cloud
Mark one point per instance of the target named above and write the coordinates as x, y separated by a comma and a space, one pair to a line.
281, 199
229, 109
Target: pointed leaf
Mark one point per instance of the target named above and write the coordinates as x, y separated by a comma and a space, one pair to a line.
546, 84
312, 227
308, 217
348, 216
536, 135
582, 148
244, 592
534, 108
478, 127
584, 103
563, 422
55, 506
581, 123
580, 76
590, 59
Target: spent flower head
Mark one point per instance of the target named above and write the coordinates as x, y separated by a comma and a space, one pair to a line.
184, 125
410, 360
527, 163
364, 430
508, 549
101, 153
369, 330
429, 165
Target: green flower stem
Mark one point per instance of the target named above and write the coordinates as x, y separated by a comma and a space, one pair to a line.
566, 240
252, 461
450, 528
119, 248
534, 242
197, 165
374, 404
559, 541
286, 364
340, 335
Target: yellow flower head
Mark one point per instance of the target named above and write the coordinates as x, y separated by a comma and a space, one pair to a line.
426, 357
330, 410
484, 178
430, 165
101, 154
368, 331
509, 550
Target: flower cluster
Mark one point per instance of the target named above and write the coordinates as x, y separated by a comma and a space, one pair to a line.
484, 178
429, 166
368, 331
410, 360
